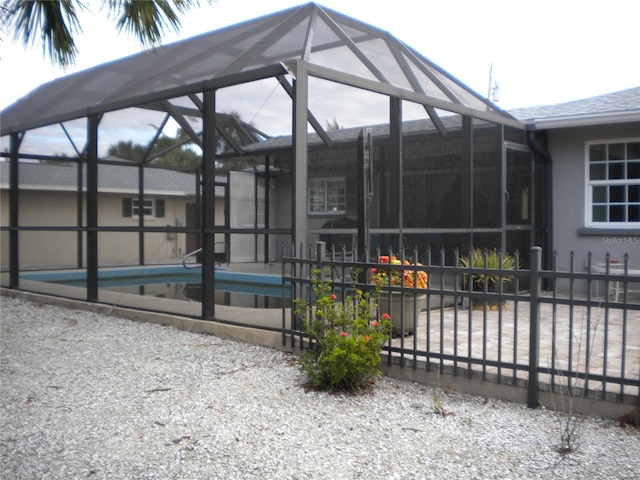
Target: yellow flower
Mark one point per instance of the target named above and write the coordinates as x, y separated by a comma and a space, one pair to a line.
407, 278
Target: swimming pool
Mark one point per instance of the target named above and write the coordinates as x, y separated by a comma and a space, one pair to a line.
174, 281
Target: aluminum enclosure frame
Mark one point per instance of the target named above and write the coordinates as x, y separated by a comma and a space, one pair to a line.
416, 80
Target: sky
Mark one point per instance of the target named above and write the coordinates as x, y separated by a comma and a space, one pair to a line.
539, 52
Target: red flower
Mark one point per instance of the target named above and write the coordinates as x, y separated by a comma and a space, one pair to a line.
374, 323
343, 333
333, 296
386, 316
367, 338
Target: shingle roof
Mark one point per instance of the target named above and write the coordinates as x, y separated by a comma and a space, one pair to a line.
622, 106
610, 108
344, 135
613, 107
111, 179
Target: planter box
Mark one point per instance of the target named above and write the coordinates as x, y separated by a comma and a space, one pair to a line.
398, 311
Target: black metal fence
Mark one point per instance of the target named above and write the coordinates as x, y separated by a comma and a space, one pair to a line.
575, 328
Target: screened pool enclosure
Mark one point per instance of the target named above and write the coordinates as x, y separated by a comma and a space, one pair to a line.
298, 126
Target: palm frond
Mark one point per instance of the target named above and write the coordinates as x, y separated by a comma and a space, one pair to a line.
56, 22
148, 21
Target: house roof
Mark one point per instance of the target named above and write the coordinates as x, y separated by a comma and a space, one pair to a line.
349, 135
616, 107
117, 179
323, 42
622, 106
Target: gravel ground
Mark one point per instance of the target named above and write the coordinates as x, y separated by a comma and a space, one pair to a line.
85, 395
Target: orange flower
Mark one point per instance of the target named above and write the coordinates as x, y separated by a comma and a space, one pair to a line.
407, 278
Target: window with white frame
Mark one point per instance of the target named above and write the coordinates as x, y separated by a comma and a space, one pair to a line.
150, 208
327, 195
613, 183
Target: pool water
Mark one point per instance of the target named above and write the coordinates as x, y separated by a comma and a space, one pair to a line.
225, 294
174, 282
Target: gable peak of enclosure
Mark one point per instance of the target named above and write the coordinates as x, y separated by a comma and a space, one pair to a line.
325, 43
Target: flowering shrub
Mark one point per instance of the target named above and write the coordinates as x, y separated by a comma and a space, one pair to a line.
347, 337
400, 277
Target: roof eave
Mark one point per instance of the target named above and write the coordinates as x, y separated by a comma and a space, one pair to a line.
591, 119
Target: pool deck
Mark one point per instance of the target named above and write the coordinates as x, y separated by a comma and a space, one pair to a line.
487, 343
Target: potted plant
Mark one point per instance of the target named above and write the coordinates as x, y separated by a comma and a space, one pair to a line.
402, 306
487, 260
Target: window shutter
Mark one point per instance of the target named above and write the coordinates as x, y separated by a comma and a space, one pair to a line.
126, 207
159, 208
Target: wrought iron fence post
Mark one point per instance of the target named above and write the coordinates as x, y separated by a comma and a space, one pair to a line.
321, 252
534, 325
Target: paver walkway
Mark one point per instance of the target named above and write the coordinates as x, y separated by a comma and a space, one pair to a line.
610, 340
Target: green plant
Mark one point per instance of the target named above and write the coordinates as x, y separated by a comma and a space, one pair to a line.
437, 407
488, 259
346, 338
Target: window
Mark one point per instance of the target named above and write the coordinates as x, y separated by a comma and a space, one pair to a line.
150, 208
327, 195
613, 183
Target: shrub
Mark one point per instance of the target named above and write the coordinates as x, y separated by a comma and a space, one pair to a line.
346, 337
491, 259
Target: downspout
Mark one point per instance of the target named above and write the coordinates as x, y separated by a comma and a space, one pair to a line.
541, 150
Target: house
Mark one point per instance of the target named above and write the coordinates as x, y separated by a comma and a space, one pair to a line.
49, 197
571, 131
587, 176
594, 149
423, 161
